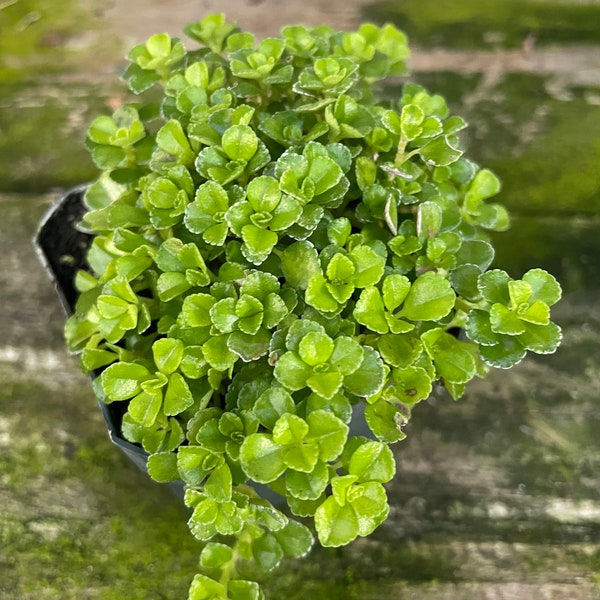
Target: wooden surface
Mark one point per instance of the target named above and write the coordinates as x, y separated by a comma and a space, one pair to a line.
497, 496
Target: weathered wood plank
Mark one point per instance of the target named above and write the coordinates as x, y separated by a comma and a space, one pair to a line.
497, 496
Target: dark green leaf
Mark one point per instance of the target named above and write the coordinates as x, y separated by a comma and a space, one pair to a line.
295, 539
493, 286
475, 252
464, 281
267, 552
505, 354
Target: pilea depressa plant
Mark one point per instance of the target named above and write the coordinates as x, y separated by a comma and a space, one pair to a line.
278, 253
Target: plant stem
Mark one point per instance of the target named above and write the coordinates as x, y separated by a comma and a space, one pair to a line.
228, 569
401, 155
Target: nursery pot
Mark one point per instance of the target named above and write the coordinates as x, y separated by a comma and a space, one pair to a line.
62, 248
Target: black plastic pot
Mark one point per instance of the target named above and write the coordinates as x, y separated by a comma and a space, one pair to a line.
62, 247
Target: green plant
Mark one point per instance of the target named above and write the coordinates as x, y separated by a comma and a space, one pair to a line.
275, 251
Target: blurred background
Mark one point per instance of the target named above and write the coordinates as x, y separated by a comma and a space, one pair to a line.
497, 496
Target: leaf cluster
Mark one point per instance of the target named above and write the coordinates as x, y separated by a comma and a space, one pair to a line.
276, 251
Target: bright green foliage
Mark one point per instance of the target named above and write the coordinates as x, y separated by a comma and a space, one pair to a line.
206, 214
295, 444
515, 317
429, 298
329, 292
166, 198
315, 176
327, 366
358, 503
153, 61
258, 219
276, 251
153, 394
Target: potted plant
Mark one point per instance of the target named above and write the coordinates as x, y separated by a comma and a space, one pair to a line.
276, 254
